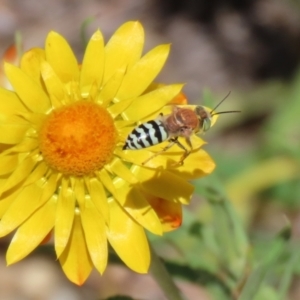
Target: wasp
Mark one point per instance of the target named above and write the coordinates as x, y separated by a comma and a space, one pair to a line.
182, 122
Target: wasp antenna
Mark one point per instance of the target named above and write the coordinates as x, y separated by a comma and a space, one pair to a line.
220, 102
226, 112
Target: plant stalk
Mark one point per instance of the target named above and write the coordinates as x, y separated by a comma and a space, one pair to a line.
163, 278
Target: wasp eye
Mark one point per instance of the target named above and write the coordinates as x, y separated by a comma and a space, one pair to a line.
206, 124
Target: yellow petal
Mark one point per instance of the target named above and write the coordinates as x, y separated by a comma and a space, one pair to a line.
31, 233
138, 207
151, 102
8, 163
93, 63
23, 206
63, 225
6, 201
214, 118
53, 85
80, 191
40, 193
165, 110
124, 48
119, 169
75, 260
196, 165
31, 63
119, 107
158, 184
30, 92
140, 76
92, 93
27, 145
138, 157
38, 172
169, 213
107, 182
95, 235
128, 239
111, 87
20, 173
36, 120
10, 104
98, 197
12, 133
120, 124
61, 57
180, 99
49, 187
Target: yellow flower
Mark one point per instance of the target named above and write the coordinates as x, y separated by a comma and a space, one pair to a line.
62, 167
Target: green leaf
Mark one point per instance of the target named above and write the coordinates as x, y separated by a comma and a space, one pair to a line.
287, 275
83, 30
199, 276
258, 278
163, 278
19, 43
229, 233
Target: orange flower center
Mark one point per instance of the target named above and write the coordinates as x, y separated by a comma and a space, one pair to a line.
78, 139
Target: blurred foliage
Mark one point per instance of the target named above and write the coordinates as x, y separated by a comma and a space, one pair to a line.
236, 241
83, 31
270, 166
239, 239
120, 298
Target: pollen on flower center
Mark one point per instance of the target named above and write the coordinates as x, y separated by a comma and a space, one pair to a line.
78, 139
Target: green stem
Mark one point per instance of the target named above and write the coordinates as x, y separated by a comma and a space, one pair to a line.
18, 43
83, 27
163, 278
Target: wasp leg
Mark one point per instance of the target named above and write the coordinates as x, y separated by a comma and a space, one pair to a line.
172, 142
185, 154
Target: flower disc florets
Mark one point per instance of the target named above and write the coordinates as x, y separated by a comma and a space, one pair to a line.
78, 139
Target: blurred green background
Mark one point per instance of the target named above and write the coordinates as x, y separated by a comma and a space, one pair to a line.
240, 235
